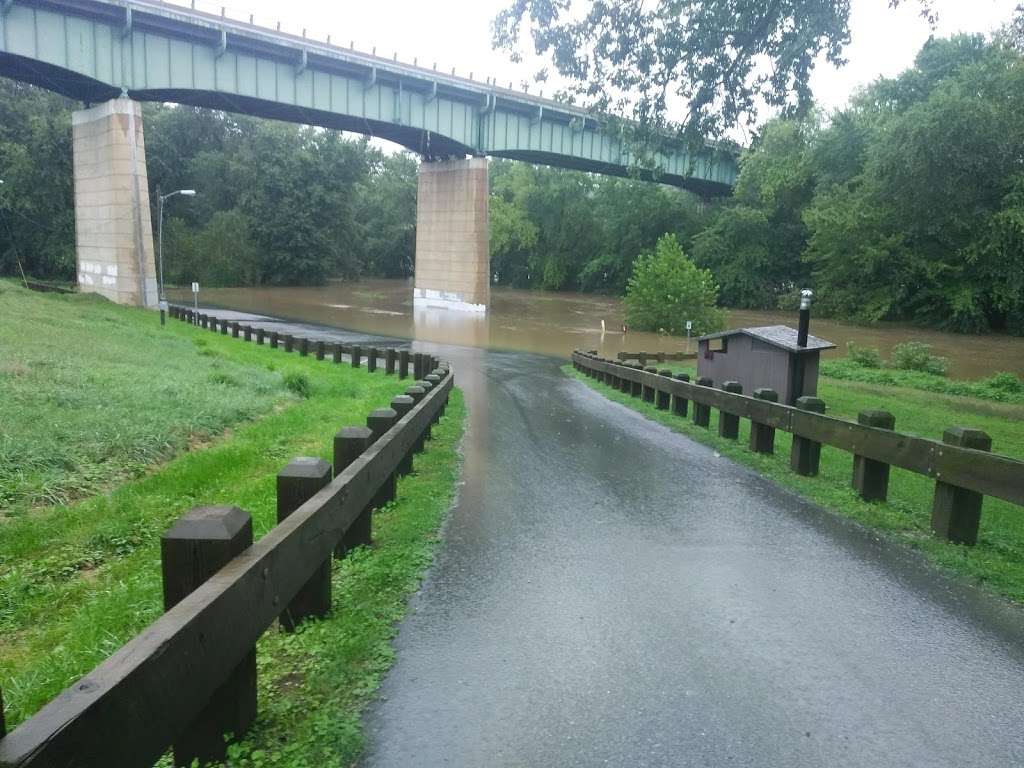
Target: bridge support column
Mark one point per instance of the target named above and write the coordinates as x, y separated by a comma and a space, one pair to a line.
113, 231
453, 262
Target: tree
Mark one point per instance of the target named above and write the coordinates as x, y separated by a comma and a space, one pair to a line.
718, 57
386, 212
37, 223
667, 289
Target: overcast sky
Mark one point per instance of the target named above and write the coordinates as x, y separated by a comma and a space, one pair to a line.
456, 33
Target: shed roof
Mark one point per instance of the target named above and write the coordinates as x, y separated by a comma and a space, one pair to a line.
781, 336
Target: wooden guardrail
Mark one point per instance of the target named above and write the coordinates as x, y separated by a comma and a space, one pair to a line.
962, 465
659, 357
401, 361
189, 677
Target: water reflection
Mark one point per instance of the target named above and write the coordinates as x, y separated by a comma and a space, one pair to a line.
555, 323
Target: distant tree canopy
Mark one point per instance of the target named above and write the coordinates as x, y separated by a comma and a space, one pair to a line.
906, 205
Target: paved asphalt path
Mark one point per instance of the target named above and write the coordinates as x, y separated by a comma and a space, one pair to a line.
611, 593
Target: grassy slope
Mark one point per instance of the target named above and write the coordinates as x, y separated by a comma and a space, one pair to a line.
91, 393
78, 580
998, 560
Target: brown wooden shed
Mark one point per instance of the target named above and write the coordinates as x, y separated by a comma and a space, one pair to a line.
766, 356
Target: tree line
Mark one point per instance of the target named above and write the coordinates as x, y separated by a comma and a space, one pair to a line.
906, 205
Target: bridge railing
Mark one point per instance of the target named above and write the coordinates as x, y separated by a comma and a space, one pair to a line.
190, 677
962, 464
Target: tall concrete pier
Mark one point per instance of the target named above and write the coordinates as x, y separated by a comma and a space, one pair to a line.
113, 230
453, 261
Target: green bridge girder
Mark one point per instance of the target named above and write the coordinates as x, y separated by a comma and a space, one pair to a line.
93, 50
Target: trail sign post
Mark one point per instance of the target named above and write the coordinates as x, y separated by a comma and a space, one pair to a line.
689, 327
195, 297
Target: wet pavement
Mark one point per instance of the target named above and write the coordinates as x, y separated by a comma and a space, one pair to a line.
611, 593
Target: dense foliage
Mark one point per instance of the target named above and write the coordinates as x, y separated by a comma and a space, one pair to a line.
278, 203
667, 290
566, 230
908, 205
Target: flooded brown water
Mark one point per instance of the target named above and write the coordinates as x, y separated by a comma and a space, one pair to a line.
557, 323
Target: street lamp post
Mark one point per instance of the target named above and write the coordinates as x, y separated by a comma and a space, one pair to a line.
161, 199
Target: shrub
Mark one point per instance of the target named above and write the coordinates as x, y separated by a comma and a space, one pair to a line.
917, 356
298, 383
666, 289
1005, 382
866, 357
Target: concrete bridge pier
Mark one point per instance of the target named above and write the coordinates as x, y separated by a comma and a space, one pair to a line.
453, 262
113, 230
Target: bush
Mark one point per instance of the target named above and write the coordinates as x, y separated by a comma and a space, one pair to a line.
1005, 382
298, 383
917, 356
667, 289
866, 357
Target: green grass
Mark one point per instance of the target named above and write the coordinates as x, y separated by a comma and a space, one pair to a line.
998, 559
92, 393
313, 685
1003, 387
77, 580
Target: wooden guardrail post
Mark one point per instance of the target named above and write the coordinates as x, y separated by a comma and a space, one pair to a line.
956, 512
260, 336
642, 359
402, 404
390, 358
702, 411
762, 436
371, 360
379, 422
349, 445
224, 327
403, 364
870, 477
357, 356
648, 390
235, 328
427, 433
417, 394
213, 324
625, 385
296, 484
729, 423
636, 388
663, 396
289, 342
275, 337
336, 350
321, 350
247, 332
680, 404
304, 347
805, 455
196, 547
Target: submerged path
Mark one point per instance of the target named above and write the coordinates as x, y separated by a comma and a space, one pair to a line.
609, 592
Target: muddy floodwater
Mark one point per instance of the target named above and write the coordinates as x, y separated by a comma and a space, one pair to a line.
557, 323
